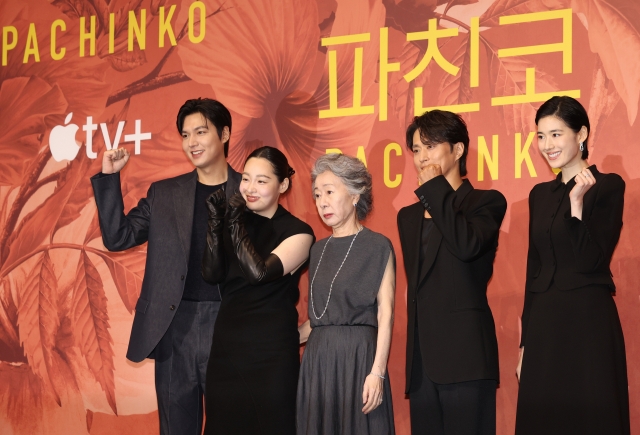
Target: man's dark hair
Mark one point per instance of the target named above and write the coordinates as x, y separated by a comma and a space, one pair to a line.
438, 126
212, 111
571, 112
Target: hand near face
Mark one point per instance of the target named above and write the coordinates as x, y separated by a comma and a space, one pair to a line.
217, 204
584, 181
236, 207
114, 160
429, 172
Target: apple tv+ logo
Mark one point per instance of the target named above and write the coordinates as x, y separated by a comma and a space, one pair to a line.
64, 146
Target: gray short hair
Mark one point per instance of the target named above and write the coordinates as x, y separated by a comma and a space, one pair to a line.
354, 175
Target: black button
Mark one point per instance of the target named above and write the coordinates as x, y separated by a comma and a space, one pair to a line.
172, 307
421, 196
182, 277
414, 301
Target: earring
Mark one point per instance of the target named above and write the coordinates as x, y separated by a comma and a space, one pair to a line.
355, 203
581, 146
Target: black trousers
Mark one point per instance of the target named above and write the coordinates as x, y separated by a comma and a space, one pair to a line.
181, 366
463, 408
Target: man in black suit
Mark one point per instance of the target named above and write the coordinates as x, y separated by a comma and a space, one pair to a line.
449, 240
177, 309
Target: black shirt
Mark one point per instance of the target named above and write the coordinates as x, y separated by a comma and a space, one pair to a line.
195, 287
427, 224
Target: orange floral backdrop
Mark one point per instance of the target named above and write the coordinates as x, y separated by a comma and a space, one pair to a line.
66, 304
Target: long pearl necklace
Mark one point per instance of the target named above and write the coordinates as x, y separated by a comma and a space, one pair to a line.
313, 307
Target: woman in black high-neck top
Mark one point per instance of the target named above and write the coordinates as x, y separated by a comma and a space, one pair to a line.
254, 362
572, 370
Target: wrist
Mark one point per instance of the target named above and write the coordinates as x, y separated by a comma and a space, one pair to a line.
216, 215
381, 376
216, 227
235, 220
576, 208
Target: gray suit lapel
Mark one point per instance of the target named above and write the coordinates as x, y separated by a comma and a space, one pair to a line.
233, 182
183, 202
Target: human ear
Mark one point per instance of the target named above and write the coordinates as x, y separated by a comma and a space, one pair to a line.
458, 149
583, 134
224, 137
284, 186
355, 199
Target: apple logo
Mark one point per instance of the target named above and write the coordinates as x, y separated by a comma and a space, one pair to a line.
62, 140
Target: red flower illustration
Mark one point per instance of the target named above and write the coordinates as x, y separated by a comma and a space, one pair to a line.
262, 61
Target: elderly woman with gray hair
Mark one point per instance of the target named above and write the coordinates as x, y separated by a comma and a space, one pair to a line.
343, 387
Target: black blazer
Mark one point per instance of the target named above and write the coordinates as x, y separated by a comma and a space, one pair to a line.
164, 218
447, 292
580, 254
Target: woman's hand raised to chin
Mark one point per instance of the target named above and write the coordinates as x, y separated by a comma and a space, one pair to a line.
584, 181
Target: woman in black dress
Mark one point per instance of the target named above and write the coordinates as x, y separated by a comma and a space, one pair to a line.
254, 362
573, 374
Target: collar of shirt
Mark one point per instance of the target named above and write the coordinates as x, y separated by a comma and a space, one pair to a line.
557, 183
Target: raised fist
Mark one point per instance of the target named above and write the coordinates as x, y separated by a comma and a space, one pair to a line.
217, 204
584, 181
429, 172
236, 208
114, 160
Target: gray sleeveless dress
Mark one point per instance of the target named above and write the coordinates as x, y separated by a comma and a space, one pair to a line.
341, 348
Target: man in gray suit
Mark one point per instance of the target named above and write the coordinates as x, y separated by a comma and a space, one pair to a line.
177, 309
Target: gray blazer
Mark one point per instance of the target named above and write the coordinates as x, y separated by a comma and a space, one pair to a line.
164, 218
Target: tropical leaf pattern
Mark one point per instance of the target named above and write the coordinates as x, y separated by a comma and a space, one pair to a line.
38, 321
457, 89
91, 319
501, 8
508, 78
614, 32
